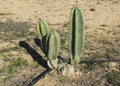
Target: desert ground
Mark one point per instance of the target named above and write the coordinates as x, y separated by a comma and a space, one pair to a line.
20, 56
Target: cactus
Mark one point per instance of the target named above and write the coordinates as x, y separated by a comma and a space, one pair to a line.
75, 35
43, 31
51, 43
53, 49
42, 28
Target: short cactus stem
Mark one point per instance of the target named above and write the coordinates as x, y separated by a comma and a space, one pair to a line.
42, 28
53, 49
43, 31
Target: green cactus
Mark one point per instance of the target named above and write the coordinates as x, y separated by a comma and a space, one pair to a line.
76, 36
42, 28
51, 41
53, 49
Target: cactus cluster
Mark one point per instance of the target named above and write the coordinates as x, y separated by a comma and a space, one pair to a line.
51, 40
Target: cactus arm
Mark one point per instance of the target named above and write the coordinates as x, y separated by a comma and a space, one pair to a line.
76, 36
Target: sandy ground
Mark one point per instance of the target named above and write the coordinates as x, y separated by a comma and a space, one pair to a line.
102, 33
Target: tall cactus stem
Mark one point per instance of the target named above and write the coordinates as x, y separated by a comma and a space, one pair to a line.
76, 36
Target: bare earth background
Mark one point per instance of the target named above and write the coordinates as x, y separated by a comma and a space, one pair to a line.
19, 64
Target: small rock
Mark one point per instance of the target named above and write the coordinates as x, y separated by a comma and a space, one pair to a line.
113, 66
67, 70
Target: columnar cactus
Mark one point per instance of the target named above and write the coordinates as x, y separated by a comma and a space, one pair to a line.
51, 43
53, 49
43, 31
75, 35
42, 28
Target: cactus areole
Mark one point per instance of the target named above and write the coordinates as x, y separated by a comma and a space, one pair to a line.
75, 36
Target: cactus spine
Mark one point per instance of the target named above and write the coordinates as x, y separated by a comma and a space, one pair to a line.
75, 35
53, 49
